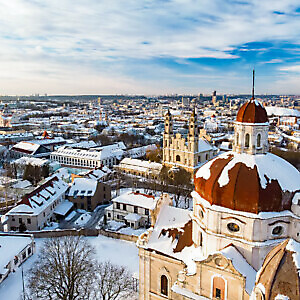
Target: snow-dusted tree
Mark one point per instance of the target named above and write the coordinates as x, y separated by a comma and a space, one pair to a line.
113, 282
64, 270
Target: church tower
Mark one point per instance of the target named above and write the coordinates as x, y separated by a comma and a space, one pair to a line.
251, 128
193, 136
168, 134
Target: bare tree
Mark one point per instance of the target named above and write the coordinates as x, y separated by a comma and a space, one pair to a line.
113, 282
64, 270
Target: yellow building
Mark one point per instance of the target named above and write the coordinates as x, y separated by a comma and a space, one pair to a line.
187, 152
242, 238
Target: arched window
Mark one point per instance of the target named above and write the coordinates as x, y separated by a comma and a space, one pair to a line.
177, 157
164, 285
237, 139
218, 288
247, 140
258, 140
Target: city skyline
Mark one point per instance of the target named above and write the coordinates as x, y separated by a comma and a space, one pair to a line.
149, 47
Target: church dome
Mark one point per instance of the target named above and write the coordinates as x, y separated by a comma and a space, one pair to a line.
248, 183
279, 274
252, 112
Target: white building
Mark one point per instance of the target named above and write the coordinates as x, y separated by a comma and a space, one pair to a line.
92, 158
36, 209
14, 250
140, 167
132, 208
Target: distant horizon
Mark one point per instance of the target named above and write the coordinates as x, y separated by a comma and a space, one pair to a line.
151, 95
62, 47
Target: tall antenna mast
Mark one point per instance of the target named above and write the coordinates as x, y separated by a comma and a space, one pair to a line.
253, 85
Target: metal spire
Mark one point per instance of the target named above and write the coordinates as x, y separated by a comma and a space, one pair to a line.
253, 85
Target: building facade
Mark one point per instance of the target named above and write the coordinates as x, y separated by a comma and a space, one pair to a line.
186, 152
87, 193
36, 208
244, 229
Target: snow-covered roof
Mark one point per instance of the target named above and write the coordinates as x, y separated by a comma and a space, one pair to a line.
83, 187
133, 217
268, 166
140, 165
282, 111
171, 218
241, 265
294, 247
204, 146
98, 174
40, 198
34, 161
27, 147
10, 246
63, 208
100, 153
137, 199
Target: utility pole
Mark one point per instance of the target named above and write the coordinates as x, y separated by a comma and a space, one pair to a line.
23, 284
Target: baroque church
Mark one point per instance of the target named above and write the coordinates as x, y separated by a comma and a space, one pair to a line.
186, 152
242, 239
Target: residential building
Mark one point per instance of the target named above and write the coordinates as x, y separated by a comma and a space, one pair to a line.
36, 208
135, 209
14, 250
88, 193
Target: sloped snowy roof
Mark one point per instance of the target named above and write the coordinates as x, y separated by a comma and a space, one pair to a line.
137, 199
10, 246
241, 265
83, 187
26, 146
63, 208
282, 111
175, 219
40, 198
204, 146
140, 165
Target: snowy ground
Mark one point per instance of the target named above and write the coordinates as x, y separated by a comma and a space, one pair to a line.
70, 216
52, 226
83, 219
106, 249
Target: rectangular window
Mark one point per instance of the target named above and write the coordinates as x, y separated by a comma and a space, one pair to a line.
20, 220
28, 221
218, 293
24, 255
124, 207
118, 205
135, 209
108, 215
146, 211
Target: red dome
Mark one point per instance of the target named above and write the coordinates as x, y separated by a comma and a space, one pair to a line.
242, 182
252, 112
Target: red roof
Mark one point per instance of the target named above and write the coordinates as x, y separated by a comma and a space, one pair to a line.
252, 112
243, 192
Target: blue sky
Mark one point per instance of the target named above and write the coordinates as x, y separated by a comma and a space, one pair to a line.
149, 47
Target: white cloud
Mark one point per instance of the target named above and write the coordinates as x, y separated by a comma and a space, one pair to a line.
58, 38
